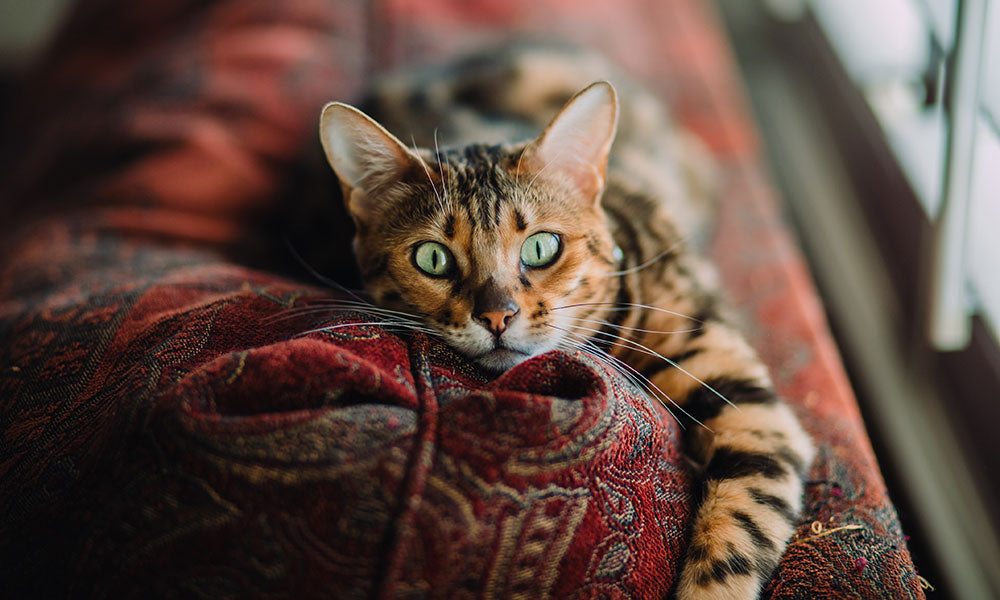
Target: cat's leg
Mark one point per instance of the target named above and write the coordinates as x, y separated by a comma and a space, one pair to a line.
755, 455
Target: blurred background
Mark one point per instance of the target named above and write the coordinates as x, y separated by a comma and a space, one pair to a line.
881, 120
25, 27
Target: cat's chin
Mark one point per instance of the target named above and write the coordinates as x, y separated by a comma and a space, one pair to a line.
500, 360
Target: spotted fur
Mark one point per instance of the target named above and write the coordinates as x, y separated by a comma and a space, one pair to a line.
627, 284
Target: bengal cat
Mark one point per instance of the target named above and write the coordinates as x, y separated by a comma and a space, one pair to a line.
509, 250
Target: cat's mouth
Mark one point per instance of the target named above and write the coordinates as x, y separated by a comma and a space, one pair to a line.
501, 359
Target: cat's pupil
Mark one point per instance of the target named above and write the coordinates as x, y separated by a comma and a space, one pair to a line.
433, 259
538, 250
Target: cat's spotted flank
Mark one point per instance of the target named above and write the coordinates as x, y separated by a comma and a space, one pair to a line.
508, 250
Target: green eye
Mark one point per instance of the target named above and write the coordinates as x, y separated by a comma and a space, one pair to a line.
540, 250
433, 259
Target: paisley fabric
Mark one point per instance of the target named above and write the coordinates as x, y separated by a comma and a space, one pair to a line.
168, 429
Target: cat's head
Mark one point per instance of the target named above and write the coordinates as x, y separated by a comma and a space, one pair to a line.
494, 247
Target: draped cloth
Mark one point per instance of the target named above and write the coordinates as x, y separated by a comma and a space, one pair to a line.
167, 431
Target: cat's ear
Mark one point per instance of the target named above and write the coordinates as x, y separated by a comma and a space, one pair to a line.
365, 156
576, 143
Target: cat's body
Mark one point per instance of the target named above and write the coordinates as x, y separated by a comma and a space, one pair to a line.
508, 250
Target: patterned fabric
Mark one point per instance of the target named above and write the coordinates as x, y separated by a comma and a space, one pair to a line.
164, 431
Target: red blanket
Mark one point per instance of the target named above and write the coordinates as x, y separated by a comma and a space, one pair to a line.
165, 433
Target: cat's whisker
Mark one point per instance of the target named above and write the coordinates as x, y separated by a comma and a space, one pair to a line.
383, 324
319, 276
610, 362
647, 263
444, 182
294, 313
392, 319
365, 306
623, 306
542, 170
644, 382
591, 345
333, 311
427, 172
587, 344
517, 169
615, 344
332, 304
607, 360
639, 329
357, 302
632, 373
637, 346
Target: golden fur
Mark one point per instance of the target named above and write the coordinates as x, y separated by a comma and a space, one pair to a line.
626, 285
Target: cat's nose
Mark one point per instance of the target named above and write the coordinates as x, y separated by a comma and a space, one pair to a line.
494, 307
496, 321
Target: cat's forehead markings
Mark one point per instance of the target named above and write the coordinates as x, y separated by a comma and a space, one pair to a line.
519, 221
449, 226
478, 181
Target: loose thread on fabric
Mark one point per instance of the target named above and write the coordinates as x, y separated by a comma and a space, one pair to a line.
819, 531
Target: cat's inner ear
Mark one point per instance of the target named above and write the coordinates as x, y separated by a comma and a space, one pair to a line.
576, 143
365, 156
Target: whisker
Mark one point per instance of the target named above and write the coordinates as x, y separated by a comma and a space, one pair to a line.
639, 329
638, 346
333, 311
610, 362
294, 313
606, 359
630, 305
384, 324
634, 374
427, 173
587, 345
590, 345
642, 378
540, 171
647, 263
610, 343
437, 155
361, 307
517, 169
351, 305
319, 276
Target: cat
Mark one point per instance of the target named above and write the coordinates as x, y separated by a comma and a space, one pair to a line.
507, 250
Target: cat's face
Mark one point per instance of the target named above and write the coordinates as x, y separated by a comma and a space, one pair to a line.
496, 249
493, 269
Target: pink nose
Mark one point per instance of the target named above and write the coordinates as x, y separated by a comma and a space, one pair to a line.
496, 321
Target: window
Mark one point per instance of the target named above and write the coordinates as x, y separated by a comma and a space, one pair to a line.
930, 70
880, 122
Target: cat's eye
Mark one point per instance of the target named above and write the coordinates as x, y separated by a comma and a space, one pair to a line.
540, 249
433, 259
